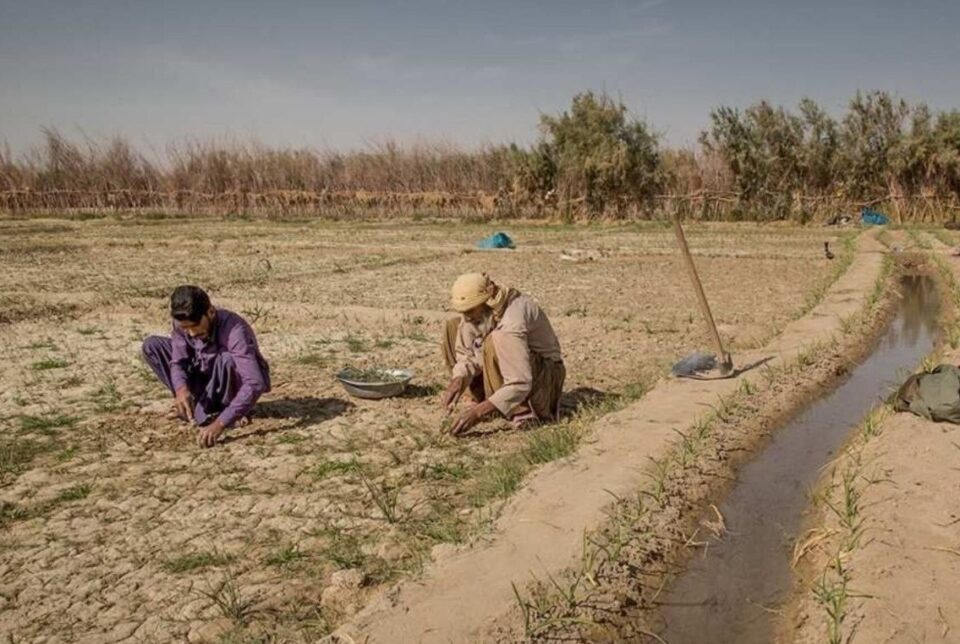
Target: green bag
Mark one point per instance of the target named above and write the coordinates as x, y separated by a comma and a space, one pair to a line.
934, 395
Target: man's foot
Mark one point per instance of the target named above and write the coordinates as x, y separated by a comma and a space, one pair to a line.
525, 419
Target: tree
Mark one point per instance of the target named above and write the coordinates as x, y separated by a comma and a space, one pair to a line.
595, 153
763, 147
871, 133
821, 145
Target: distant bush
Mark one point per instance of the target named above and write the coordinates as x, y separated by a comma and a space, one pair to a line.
594, 154
781, 161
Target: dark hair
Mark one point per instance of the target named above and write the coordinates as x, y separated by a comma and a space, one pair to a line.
189, 303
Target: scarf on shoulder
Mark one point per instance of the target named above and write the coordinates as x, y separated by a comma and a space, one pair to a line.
499, 302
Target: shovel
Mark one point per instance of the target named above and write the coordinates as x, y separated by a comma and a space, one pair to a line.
693, 365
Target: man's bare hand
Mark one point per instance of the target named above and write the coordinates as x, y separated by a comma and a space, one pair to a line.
471, 417
453, 392
207, 436
185, 403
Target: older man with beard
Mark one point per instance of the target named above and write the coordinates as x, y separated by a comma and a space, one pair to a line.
503, 350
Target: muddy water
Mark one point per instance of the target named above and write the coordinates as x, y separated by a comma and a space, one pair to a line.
730, 591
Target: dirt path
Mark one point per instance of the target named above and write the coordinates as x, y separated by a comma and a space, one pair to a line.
540, 531
898, 578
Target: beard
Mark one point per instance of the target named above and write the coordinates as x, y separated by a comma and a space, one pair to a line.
486, 324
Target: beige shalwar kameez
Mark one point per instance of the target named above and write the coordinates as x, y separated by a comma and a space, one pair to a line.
518, 366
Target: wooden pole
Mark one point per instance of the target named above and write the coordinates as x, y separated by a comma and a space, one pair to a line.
726, 362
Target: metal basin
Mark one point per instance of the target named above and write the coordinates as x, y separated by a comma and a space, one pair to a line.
376, 390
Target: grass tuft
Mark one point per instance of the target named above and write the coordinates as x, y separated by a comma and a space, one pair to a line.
312, 359
344, 549
551, 443
832, 595
326, 468
356, 344
284, 557
75, 493
17, 454
443, 472
49, 363
46, 424
229, 599
385, 496
500, 480
196, 561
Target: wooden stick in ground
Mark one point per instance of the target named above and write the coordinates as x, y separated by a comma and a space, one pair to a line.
726, 363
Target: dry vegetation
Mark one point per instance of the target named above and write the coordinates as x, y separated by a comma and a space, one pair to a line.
593, 160
114, 522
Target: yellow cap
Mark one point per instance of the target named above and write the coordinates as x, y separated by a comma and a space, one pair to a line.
469, 291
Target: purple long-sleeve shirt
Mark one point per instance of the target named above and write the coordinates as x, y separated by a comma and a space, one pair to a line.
232, 335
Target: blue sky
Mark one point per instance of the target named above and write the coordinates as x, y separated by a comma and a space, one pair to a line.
344, 74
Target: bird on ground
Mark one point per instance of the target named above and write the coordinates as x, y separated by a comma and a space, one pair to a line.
826, 250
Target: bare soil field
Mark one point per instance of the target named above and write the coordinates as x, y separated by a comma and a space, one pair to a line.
114, 526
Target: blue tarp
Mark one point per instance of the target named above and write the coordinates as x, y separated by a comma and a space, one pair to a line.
496, 240
870, 217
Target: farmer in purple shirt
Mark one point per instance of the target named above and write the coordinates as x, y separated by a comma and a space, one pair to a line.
212, 364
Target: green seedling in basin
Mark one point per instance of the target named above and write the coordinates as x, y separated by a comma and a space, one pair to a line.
372, 375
